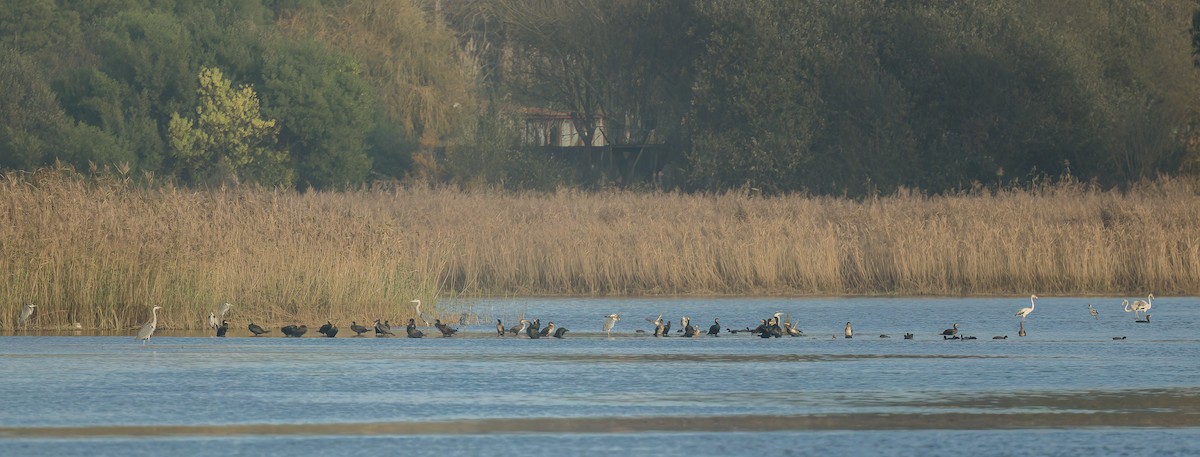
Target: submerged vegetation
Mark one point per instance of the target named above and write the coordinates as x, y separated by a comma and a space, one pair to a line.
100, 250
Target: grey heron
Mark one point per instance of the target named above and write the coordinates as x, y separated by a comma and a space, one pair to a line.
609, 321
225, 307
26, 313
1026, 311
148, 329
419, 314
212, 321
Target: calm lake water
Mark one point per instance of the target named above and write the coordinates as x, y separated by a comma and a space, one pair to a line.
1067, 388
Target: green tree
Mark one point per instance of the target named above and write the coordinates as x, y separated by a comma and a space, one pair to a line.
228, 140
325, 109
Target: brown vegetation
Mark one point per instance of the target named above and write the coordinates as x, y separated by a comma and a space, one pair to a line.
101, 251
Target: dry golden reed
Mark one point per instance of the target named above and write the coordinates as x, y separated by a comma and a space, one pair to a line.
100, 251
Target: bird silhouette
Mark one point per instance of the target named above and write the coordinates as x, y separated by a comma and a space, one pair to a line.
715, 328
562, 331
382, 329
358, 329
223, 328
412, 331
446, 330
255, 329
951, 331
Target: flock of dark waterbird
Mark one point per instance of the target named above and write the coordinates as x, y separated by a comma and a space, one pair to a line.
771, 327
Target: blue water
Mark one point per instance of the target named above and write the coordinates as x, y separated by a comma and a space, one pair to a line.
1067, 365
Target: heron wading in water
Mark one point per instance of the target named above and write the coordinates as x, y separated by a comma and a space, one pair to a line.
147, 330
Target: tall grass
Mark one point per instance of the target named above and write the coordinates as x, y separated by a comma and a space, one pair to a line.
100, 251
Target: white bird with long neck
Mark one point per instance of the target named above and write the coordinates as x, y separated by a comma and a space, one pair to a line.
1142, 306
148, 329
1025, 311
418, 311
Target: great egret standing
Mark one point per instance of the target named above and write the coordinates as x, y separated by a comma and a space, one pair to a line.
611, 320
26, 313
1025, 311
148, 329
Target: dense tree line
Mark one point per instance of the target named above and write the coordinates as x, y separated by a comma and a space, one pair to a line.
847, 97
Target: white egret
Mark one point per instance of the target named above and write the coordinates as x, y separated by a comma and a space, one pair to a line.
1025, 311
611, 320
148, 329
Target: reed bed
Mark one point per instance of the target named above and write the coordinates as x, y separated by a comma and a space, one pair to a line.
101, 251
